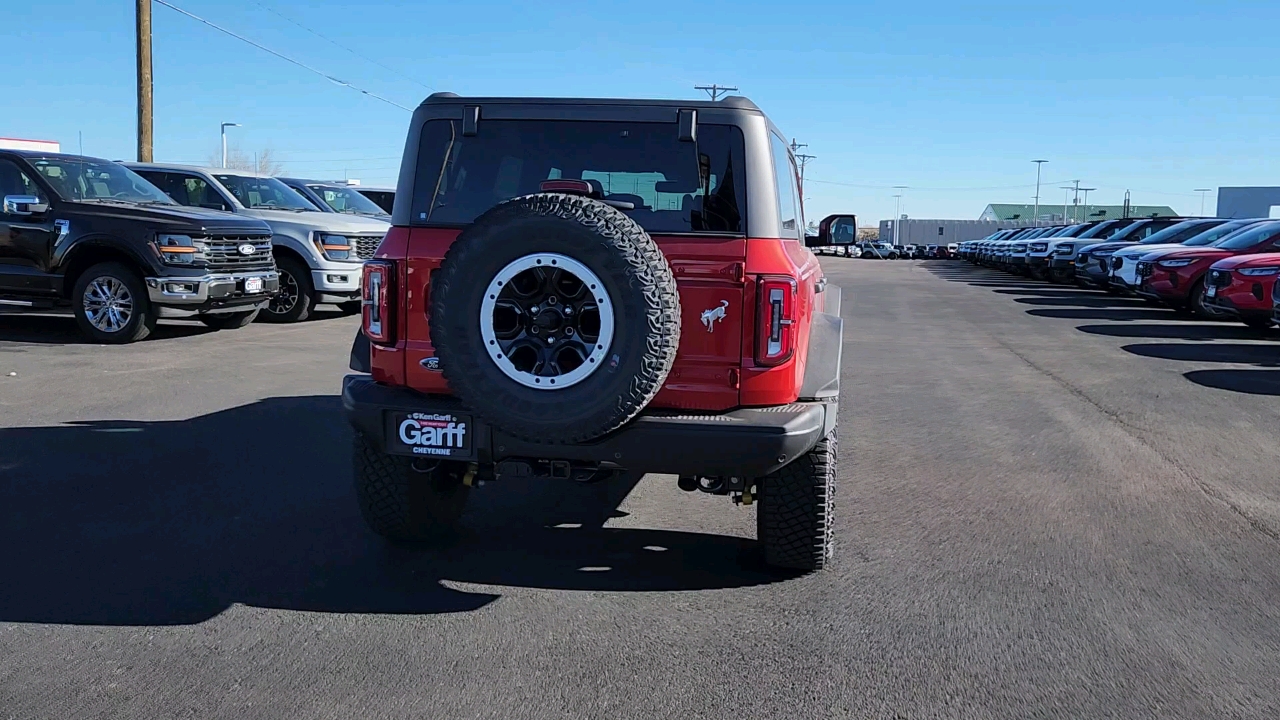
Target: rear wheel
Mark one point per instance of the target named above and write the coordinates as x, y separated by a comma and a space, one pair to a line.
111, 304
794, 516
296, 297
229, 321
400, 502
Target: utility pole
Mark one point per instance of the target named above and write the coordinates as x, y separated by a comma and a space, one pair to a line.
144, 81
802, 158
1075, 202
1036, 214
716, 91
1202, 191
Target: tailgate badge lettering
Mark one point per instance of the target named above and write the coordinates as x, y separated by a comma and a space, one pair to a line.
709, 317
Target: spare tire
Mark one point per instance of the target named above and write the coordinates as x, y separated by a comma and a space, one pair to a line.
555, 318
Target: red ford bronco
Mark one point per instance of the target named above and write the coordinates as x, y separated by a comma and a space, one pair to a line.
577, 288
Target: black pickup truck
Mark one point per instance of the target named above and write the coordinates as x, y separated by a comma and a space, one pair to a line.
93, 235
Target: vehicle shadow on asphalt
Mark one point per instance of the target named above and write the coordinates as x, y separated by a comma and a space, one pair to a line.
1108, 313
1252, 382
1180, 331
1082, 300
51, 329
163, 523
1262, 355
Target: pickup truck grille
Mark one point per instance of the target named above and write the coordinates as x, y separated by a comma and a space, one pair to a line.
365, 245
224, 253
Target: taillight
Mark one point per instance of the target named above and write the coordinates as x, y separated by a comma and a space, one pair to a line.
377, 295
775, 323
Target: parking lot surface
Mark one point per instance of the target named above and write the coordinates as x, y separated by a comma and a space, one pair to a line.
1051, 503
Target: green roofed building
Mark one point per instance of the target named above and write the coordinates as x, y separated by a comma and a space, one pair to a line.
1001, 212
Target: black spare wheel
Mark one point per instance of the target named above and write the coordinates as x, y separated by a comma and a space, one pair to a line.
555, 317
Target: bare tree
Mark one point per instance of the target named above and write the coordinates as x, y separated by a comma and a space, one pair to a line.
263, 161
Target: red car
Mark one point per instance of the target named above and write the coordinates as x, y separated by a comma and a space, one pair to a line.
1241, 287
1178, 278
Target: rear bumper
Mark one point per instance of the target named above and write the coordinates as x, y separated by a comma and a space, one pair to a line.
748, 442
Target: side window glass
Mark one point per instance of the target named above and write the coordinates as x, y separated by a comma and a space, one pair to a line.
202, 194
15, 182
789, 220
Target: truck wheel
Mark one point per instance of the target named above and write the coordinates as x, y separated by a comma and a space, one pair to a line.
556, 318
297, 296
794, 514
228, 321
111, 304
401, 503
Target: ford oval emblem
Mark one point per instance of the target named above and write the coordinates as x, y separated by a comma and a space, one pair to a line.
247, 249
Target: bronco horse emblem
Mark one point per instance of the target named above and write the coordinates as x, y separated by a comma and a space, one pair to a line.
709, 317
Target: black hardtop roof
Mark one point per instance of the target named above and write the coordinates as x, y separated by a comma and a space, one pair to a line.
732, 102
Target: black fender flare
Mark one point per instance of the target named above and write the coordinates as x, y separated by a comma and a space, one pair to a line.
65, 255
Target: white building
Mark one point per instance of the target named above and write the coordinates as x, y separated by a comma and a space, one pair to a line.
37, 145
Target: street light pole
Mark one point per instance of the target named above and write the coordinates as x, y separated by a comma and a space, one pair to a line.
897, 214
1036, 214
226, 125
1086, 200
1202, 191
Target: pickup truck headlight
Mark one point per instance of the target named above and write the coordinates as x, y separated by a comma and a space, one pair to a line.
334, 247
1065, 248
1254, 272
1175, 263
180, 249
1039, 247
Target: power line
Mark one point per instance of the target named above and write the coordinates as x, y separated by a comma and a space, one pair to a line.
337, 44
933, 189
282, 56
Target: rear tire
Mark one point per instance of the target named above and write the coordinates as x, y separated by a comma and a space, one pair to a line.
111, 304
297, 296
400, 503
229, 321
794, 517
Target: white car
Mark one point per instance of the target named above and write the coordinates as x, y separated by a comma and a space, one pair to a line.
1192, 233
883, 251
319, 255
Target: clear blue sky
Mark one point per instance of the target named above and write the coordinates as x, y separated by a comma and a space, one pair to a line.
951, 99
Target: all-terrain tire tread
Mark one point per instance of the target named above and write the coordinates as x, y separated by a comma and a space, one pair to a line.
796, 510
645, 266
398, 502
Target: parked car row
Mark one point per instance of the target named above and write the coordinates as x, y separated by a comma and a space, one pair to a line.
887, 251
124, 244
1214, 268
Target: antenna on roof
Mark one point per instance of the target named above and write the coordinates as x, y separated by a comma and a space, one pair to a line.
716, 91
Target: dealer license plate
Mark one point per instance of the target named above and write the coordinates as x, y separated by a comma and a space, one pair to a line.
1211, 291
253, 285
424, 434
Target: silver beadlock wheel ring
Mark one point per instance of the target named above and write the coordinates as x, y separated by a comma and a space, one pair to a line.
547, 321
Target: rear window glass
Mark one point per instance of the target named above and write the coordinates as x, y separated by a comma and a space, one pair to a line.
676, 187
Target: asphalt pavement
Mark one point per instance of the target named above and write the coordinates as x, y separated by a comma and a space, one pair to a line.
1052, 503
